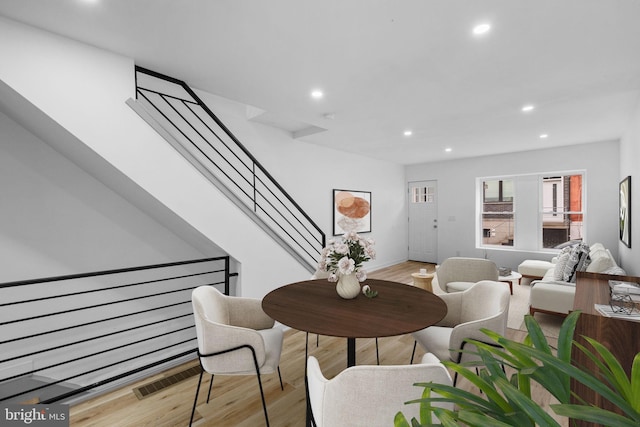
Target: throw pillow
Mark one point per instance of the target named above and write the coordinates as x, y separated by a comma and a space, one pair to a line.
600, 261
578, 261
558, 270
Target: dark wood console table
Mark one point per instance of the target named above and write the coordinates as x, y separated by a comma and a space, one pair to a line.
621, 337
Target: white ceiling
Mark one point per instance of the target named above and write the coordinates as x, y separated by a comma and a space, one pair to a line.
386, 66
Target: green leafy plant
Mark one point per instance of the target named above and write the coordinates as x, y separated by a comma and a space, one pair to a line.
506, 400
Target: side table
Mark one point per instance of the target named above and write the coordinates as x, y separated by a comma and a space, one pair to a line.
510, 279
423, 281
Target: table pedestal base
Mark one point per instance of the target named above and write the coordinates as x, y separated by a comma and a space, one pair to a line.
351, 352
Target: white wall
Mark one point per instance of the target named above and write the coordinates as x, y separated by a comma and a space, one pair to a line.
629, 155
85, 89
57, 219
309, 173
457, 195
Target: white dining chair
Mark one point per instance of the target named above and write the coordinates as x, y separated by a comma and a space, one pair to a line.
484, 305
235, 337
371, 395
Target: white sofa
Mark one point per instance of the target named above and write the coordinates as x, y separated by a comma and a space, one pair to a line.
554, 292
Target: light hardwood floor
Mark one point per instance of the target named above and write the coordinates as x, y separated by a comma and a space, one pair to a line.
236, 400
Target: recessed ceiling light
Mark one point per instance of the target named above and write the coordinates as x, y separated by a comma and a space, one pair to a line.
544, 135
528, 108
448, 150
408, 132
317, 94
481, 29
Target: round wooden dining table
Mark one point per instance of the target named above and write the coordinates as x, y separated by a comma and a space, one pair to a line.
315, 306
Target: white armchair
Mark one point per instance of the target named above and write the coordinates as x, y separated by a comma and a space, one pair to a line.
235, 337
370, 396
484, 305
459, 273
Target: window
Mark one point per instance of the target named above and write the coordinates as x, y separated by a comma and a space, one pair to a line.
497, 212
422, 194
550, 210
562, 215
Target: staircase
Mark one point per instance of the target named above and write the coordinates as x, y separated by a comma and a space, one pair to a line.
174, 110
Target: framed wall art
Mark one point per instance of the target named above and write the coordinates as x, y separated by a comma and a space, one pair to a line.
625, 211
351, 211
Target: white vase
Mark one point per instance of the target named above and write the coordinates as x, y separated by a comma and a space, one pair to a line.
348, 286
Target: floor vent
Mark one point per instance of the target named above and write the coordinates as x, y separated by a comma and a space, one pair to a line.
159, 385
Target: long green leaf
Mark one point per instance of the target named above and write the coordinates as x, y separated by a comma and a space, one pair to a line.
551, 377
615, 372
593, 414
520, 351
467, 401
480, 420
493, 365
400, 420
484, 387
590, 381
524, 384
538, 340
635, 383
553, 380
459, 397
565, 345
605, 375
504, 352
425, 408
446, 417
509, 354
565, 337
527, 406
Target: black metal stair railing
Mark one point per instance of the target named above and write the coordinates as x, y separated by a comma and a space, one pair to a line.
201, 137
62, 337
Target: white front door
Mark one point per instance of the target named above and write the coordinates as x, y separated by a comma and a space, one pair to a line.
423, 221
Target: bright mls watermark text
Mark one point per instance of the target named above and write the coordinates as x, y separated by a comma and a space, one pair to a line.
34, 415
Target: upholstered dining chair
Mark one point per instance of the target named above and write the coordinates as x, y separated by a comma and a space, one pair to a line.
459, 273
484, 305
235, 337
371, 395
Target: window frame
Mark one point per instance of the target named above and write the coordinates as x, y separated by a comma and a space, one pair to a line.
481, 232
554, 211
528, 223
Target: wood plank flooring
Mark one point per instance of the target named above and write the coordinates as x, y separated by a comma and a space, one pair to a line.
236, 399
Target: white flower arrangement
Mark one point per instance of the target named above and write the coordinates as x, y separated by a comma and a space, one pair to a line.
346, 255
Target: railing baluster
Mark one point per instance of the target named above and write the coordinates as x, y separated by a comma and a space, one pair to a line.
121, 319
266, 198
